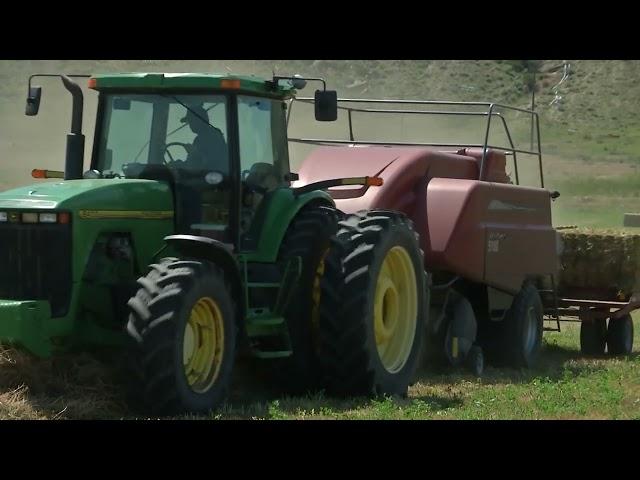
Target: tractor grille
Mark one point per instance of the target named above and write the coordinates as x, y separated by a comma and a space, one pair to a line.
35, 264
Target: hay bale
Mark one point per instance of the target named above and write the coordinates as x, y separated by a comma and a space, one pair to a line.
604, 259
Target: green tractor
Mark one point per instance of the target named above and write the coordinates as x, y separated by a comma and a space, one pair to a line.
184, 241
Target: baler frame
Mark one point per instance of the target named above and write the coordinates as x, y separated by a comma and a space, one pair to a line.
490, 112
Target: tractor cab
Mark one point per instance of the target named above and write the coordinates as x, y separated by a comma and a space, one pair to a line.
220, 152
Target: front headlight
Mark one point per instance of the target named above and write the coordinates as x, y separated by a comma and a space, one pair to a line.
35, 217
48, 218
30, 217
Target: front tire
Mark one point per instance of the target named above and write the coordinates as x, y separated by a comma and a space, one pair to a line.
183, 333
372, 313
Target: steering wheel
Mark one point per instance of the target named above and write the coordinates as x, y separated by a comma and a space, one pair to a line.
166, 150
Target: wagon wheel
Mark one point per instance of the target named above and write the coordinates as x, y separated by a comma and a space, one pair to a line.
620, 336
593, 336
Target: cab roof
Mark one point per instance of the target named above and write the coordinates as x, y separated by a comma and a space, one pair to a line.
187, 81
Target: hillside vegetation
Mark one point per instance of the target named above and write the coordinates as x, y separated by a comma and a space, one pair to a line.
590, 121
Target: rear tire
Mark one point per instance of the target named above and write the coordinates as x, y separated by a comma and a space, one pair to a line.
620, 336
308, 237
183, 334
593, 337
372, 314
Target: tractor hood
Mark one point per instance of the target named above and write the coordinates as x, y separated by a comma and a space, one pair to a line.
102, 194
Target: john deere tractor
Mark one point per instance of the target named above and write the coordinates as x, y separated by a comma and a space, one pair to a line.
184, 241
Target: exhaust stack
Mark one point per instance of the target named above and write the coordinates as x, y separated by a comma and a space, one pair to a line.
74, 156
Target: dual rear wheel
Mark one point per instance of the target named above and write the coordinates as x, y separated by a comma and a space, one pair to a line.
372, 314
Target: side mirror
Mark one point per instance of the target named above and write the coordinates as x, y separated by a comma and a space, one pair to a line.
33, 101
326, 102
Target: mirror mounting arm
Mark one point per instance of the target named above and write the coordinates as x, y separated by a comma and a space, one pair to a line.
34, 93
277, 78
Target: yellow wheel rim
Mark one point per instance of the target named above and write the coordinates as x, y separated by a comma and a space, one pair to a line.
395, 309
203, 345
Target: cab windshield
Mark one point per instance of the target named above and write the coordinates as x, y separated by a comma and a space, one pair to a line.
180, 131
183, 140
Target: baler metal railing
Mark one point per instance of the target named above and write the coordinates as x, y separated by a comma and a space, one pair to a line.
490, 112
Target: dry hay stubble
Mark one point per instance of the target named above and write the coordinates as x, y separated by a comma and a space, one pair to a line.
65, 386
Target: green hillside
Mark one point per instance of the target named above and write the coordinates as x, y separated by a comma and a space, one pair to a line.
590, 120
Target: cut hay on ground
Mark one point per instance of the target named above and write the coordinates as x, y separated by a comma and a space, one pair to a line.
74, 386
92, 386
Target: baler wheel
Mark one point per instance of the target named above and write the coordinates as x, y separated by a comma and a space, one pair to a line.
620, 336
373, 309
593, 336
183, 334
522, 329
475, 361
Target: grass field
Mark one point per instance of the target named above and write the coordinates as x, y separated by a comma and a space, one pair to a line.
565, 385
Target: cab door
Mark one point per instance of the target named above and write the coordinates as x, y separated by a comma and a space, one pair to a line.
264, 159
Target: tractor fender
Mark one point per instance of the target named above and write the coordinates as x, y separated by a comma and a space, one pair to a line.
193, 246
280, 211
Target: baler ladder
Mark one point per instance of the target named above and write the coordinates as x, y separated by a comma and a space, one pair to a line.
553, 313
